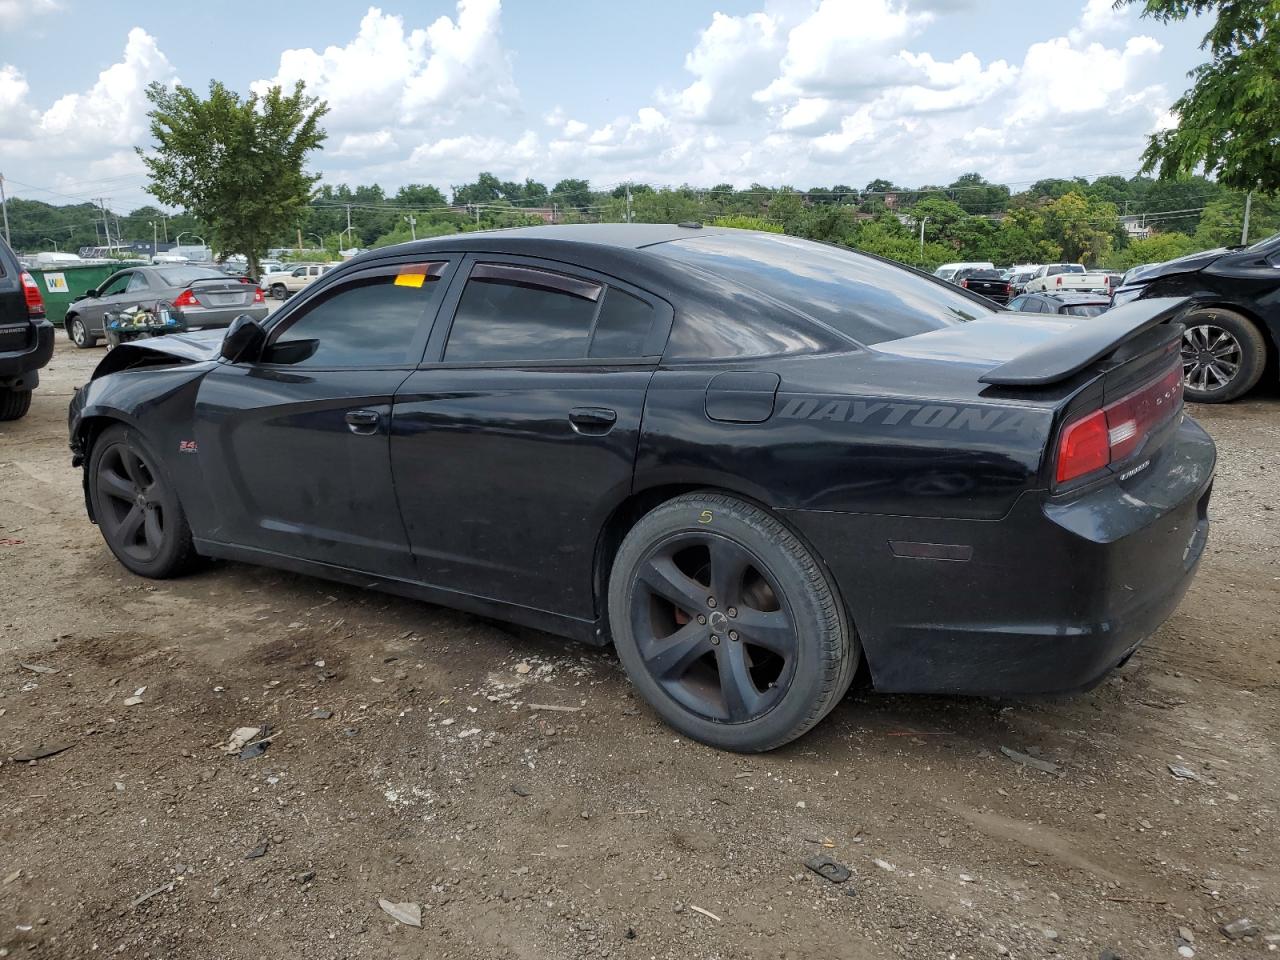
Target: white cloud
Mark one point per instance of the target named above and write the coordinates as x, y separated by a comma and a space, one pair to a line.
366, 144
728, 61
16, 114
13, 12
388, 75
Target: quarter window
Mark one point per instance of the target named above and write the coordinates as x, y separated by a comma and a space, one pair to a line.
622, 327
136, 282
371, 320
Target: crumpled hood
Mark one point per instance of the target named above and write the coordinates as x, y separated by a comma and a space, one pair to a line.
199, 346
1188, 264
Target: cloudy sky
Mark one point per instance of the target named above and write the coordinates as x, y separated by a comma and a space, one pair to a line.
805, 92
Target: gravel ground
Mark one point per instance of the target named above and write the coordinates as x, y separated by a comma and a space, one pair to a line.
430, 774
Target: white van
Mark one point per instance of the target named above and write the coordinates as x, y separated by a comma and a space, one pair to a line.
948, 270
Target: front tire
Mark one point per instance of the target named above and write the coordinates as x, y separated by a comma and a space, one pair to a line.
1223, 355
727, 624
278, 291
137, 507
80, 335
14, 404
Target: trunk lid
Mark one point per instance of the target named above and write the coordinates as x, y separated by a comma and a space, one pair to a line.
215, 294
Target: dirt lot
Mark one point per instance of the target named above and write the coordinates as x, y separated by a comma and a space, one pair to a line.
593, 831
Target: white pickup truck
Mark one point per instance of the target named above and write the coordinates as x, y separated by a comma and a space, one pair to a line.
285, 283
1055, 277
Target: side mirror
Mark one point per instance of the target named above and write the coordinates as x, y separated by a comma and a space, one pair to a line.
244, 340
91, 292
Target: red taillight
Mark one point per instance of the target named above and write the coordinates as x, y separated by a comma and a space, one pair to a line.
35, 303
1058, 282
186, 299
1008, 289
1107, 436
257, 295
965, 284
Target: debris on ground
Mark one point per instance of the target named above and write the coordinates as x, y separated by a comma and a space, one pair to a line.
40, 751
1183, 773
1237, 929
1035, 763
259, 851
254, 750
519, 791
824, 866
705, 913
885, 865
554, 707
136, 699
163, 888
37, 668
523, 668
239, 737
410, 914
320, 713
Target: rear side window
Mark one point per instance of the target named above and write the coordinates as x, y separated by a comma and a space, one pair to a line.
866, 299
181, 276
1086, 309
622, 327
373, 319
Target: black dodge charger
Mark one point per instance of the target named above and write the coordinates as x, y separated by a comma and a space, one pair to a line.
752, 463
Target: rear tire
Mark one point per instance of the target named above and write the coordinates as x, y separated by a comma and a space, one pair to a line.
278, 291
80, 335
14, 404
1223, 355
137, 507
727, 624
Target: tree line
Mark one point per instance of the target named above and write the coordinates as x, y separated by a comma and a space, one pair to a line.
1072, 219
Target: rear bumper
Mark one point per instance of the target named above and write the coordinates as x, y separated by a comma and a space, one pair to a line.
18, 368
194, 317
1052, 596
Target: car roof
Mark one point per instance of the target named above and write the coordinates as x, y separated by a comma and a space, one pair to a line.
630, 236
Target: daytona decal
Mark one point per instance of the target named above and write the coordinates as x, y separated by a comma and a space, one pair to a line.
936, 416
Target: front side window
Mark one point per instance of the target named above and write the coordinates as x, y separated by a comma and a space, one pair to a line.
517, 313
371, 320
117, 285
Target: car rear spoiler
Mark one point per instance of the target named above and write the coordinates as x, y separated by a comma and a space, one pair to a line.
1060, 357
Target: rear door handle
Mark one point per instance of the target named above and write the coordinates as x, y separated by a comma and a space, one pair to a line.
363, 422
593, 421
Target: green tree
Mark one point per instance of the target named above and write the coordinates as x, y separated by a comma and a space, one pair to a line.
1154, 249
743, 222
486, 189
1085, 229
1223, 219
975, 195
572, 193
235, 164
1229, 121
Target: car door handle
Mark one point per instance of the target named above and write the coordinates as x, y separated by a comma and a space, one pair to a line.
363, 422
593, 421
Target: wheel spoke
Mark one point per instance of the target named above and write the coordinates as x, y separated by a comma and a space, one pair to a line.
133, 467
671, 657
729, 563
151, 527
741, 698
769, 629
130, 525
111, 484
663, 577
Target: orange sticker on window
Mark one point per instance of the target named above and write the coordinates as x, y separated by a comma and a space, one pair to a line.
410, 279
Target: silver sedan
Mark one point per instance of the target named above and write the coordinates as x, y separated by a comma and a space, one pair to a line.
196, 296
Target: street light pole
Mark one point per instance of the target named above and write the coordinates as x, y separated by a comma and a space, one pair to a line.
155, 239
54, 242
922, 223
413, 225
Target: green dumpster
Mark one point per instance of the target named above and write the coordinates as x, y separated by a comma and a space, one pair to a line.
61, 283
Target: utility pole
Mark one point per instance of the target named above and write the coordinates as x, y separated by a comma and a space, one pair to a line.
4, 206
106, 224
1244, 231
155, 239
922, 223
628, 203
413, 228
348, 222
299, 238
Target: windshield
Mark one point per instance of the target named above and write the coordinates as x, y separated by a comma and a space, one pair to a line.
1086, 309
867, 299
181, 276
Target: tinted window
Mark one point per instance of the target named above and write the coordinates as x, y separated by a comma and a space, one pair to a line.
181, 276
117, 285
867, 299
510, 312
1085, 309
622, 327
985, 275
368, 321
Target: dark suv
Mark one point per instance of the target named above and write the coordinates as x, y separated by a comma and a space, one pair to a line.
26, 337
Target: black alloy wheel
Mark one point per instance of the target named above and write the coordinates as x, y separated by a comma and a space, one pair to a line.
726, 623
136, 507
1223, 355
711, 629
